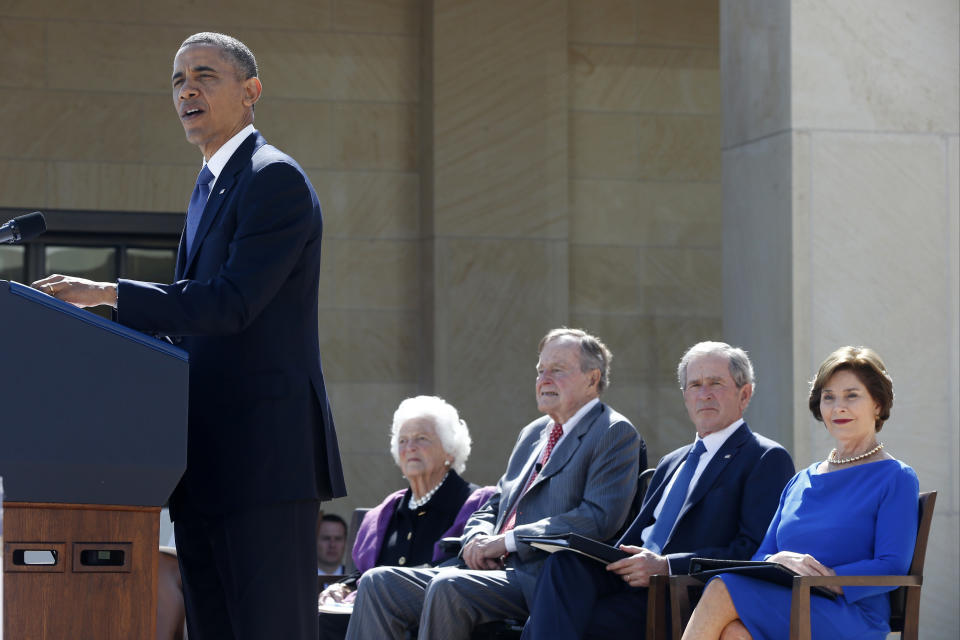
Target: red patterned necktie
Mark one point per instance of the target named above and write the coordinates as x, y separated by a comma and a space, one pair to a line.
555, 435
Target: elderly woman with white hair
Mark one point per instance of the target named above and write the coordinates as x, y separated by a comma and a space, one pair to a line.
430, 444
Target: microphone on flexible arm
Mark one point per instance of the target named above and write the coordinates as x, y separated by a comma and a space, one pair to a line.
25, 227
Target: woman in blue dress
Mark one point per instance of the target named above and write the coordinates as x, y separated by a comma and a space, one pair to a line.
855, 513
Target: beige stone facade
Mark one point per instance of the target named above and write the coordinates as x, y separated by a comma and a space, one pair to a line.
841, 226
781, 175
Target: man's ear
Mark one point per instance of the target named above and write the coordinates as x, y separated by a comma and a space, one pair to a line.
595, 378
251, 91
746, 392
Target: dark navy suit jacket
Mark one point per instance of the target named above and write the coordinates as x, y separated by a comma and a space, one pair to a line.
730, 507
244, 305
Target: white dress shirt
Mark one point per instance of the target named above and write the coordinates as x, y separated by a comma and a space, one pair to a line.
219, 160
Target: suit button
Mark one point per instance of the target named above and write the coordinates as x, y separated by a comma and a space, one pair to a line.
402, 561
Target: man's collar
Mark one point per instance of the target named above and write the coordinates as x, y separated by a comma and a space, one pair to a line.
219, 160
575, 418
713, 441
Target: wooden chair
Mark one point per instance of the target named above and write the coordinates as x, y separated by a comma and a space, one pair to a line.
643, 481
680, 608
904, 602
658, 594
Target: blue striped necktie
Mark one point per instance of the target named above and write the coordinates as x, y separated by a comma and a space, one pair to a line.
674, 502
198, 200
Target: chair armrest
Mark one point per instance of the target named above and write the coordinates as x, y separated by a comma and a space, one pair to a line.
800, 598
680, 602
451, 545
657, 594
858, 581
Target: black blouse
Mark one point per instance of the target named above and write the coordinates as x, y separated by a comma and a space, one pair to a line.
411, 534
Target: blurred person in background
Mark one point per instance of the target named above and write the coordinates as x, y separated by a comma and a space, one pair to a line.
331, 543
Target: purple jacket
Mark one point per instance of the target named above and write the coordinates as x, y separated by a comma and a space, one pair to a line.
373, 529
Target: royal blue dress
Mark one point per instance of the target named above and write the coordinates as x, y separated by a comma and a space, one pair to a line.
858, 521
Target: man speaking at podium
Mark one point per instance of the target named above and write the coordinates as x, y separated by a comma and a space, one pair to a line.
261, 446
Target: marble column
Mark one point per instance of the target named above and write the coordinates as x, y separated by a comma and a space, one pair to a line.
840, 183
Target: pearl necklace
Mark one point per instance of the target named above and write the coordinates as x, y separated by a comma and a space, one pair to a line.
416, 504
832, 458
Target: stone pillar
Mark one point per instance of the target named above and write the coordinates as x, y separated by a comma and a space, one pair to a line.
494, 203
840, 183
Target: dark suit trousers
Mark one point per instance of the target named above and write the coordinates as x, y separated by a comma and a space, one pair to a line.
577, 597
333, 626
252, 574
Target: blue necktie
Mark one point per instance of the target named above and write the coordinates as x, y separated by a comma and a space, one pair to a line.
674, 502
198, 200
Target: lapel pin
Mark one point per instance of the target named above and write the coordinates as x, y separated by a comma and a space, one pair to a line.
221, 191
726, 456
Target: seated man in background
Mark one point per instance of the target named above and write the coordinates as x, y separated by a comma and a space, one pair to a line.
331, 543
714, 498
574, 470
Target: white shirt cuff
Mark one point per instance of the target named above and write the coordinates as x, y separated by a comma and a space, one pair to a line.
510, 541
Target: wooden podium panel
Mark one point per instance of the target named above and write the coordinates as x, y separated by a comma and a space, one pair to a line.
103, 583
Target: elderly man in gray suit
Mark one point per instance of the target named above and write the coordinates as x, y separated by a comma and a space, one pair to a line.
573, 470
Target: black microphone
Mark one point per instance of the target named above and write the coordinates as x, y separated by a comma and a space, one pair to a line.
23, 227
538, 467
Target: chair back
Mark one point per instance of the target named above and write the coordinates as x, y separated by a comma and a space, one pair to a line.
643, 480
904, 602
355, 521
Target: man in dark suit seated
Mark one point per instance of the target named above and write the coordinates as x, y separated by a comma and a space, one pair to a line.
331, 543
261, 446
574, 470
714, 498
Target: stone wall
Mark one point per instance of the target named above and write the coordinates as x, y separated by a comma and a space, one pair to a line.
841, 225
781, 175
645, 203
488, 170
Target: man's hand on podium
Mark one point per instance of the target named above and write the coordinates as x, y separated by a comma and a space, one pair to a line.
78, 291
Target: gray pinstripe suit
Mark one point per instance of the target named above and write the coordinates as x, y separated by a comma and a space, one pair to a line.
585, 487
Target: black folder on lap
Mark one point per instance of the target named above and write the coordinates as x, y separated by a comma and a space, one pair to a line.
599, 551
705, 568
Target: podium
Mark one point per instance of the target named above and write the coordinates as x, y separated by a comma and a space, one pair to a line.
93, 432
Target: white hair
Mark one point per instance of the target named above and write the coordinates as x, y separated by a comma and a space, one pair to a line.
452, 431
